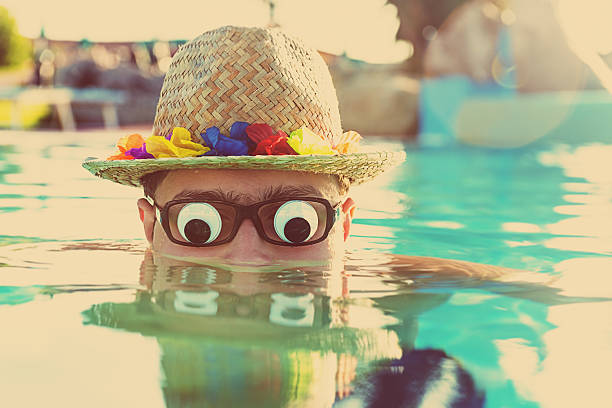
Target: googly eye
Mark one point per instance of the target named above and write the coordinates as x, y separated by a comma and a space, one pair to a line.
199, 223
296, 221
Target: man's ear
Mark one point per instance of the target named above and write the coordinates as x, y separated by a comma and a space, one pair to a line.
147, 216
348, 209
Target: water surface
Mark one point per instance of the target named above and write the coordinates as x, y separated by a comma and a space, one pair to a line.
91, 318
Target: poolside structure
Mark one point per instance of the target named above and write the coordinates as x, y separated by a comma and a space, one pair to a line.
61, 99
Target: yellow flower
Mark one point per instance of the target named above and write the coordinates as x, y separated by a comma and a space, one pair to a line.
179, 145
305, 141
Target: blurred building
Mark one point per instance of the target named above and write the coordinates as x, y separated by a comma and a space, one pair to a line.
135, 68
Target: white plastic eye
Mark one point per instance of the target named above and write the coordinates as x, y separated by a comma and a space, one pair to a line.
296, 221
199, 223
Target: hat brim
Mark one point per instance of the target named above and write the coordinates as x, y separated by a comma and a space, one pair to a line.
356, 167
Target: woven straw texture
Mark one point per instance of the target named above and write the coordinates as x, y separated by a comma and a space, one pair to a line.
356, 167
255, 75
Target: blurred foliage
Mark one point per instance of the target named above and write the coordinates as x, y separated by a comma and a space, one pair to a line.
29, 115
415, 16
14, 49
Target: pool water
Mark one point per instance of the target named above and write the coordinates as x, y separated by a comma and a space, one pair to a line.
91, 318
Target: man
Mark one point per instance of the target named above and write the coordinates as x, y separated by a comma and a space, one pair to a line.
276, 190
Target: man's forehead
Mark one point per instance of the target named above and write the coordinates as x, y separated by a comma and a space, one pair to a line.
245, 186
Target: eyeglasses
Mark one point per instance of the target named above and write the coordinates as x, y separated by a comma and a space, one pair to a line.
298, 221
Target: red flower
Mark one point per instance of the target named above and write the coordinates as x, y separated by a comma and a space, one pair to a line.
264, 140
258, 132
275, 144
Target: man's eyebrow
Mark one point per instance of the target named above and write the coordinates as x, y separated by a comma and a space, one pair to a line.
268, 193
275, 192
211, 195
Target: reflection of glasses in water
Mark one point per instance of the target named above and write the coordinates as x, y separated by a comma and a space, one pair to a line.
283, 309
296, 222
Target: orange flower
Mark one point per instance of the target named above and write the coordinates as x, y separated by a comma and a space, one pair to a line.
126, 143
120, 156
349, 142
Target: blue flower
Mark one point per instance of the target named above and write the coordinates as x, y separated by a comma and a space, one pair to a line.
238, 131
221, 145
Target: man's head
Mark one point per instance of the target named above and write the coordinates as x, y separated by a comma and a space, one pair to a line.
276, 188
296, 213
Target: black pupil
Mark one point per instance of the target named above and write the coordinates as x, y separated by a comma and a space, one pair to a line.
297, 230
197, 231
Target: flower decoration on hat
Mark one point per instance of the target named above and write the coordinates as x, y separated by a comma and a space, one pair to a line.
305, 141
266, 141
221, 145
178, 145
125, 145
349, 142
244, 140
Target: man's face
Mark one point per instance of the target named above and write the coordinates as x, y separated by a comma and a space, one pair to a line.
247, 187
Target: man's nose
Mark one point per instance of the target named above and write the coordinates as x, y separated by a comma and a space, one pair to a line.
246, 232
247, 245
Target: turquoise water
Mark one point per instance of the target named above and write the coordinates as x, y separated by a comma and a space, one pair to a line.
90, 318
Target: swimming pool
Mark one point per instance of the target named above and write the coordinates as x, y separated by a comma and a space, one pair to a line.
89, 318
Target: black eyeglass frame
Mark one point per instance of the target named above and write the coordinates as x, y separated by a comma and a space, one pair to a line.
247, 211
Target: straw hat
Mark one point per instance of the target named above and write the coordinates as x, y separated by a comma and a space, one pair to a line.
254, 75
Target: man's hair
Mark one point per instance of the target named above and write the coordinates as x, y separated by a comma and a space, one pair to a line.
151, 181
343, 185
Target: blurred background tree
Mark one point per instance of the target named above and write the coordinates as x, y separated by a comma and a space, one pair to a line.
419, 22
14, 49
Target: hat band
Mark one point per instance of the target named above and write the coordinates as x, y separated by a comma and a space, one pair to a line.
245, 139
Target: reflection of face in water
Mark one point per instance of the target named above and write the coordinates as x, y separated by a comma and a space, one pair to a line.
284, 338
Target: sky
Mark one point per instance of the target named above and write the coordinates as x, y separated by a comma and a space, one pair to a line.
363, 29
